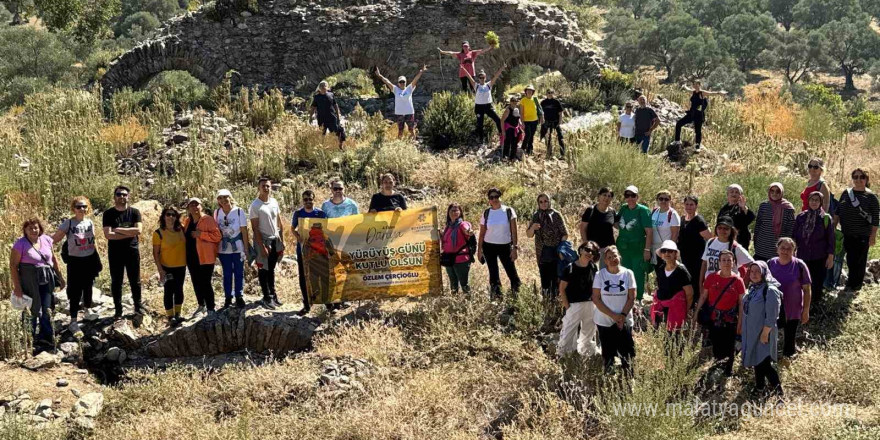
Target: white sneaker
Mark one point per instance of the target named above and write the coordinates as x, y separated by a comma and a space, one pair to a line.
199, 311
698, 146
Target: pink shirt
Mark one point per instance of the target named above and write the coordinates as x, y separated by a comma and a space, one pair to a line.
466, 62
461, 239
30, 255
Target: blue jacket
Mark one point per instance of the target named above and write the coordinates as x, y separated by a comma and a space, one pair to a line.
567, 254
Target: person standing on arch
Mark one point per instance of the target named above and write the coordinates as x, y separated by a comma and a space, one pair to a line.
327, 111
466, 59
696, 114
403, 103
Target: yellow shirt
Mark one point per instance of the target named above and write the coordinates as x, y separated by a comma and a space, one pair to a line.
172, 248
530, 110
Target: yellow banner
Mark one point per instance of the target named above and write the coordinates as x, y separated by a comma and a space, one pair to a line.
371, 256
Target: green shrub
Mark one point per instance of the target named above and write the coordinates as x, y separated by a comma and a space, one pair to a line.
15, 333
817, 94
819, 124
585, 98
14, 91
352, 83
864, 120
179, 87
448, 120
261, 110
126, 103
523, 74
872, 137
727, 78
613, 82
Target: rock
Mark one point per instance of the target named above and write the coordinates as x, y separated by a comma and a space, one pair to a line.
180, 138
37, 420
122, 332
89, 405
41, 361
245, 14
44, 409
91, 317
84, 423
115, 354
71, 352
75, 392
62, 383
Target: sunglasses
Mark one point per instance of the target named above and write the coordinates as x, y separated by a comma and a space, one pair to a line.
813, 167
121, 194
81, 207
629, 195
860, 177
170, 214
338, 189
307, 200
662, 199
494, 197
401, 82
666, 251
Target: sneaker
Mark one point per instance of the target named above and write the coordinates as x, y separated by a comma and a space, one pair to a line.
198, 311
268, 303
276, 301
239, 302
118, 315
227, 303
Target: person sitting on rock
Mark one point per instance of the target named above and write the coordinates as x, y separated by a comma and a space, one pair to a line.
466, 63
327, 110
403, 103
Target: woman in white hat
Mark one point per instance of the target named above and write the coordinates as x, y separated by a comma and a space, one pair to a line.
232, 221
674, 293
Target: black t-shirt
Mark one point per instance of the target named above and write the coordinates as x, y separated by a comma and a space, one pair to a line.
127, 218
580, 282
380, 202
690, 242
326, 106
552, 109
192, 253
668, 286
644, 119
601, 225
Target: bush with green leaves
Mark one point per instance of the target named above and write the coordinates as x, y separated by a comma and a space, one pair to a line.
448, 120
182, 89
586, 98
523, 74
818, 94
352, 83
30, 60
727, 78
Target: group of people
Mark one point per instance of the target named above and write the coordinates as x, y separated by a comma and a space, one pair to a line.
185, 241
703, 276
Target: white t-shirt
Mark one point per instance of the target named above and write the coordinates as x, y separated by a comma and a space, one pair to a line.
713, 250
662, 223
484, 93
498, 228
403, 104
230, 226
614, 290
627, 125
268, 213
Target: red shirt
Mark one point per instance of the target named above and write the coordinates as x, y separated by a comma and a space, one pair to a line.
805, 194
715, 283
466, 62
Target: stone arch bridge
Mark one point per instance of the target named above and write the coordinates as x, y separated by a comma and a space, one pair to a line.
296, 43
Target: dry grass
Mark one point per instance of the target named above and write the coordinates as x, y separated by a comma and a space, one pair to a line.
123, 134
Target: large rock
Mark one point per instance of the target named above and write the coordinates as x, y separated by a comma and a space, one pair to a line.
89, 405
41, 361
122, 332
257, 330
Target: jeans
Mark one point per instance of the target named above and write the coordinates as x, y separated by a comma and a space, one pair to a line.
493, 252
644, 141
122, 261
550, 127
529, 140
765, 372
697, 118
617, 342
80, 279
233, 270
482, 110
549, 279
856, 260
724, 345
832, 276
41, 316
459, 274
200, 275
266, 274
173, 289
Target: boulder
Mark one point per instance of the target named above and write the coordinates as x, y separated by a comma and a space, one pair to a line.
122, 332
41, 361
44, 409
89, 405
71, 352
150, 211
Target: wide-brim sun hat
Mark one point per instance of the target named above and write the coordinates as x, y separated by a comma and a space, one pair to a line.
667, 244
530, 87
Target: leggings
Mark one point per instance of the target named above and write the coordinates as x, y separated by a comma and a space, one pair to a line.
122, 261
173, 298
724, 345
529, 140
856, 260
482, 110
458, 276
80, 279
465, 84
200, 275
765, 372
494, 252
549, 279
550, 127
617, 342
301, 270
510, 143
817, 275
697, 118
790, 328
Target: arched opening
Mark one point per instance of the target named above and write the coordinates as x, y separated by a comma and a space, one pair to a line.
179, 88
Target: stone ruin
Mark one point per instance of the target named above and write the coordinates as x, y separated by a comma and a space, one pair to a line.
292, 44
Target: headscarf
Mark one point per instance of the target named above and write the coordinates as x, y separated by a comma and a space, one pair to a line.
779, 207
813, 215
545, 216
766, 276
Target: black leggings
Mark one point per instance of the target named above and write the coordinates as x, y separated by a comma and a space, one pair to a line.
697, 118
724, 345
80, 279
765, 372
617, 342
482, 110
790, 328
124, 261
856, 260
301, 269
550, 127
510, 144
200, 275
549, 279
529, 140
492, 253
817, 275
174, 277
465, 84
267, 274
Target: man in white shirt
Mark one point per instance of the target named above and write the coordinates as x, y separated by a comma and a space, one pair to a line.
483, 100
403, 103
499, 240
264, 214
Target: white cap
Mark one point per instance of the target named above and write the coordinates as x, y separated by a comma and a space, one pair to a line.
632, 188
224, 193
401, 78
193, 199
667, 244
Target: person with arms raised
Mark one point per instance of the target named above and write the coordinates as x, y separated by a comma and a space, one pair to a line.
483, 101
403, 102
466, 62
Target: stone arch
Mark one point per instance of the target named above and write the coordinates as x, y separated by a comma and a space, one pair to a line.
287, 44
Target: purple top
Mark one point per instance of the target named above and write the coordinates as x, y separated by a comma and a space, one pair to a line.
791, 277
29, 255
820, 243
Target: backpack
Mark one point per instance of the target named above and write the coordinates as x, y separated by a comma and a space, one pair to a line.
506, 211
668, 215
65, 251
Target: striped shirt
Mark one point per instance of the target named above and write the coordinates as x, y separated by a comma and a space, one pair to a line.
852, 221
765, 239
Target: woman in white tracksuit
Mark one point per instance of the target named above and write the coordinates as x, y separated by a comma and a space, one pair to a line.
575, 293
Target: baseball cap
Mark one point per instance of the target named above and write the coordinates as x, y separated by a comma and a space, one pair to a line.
632, 188
224, 193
